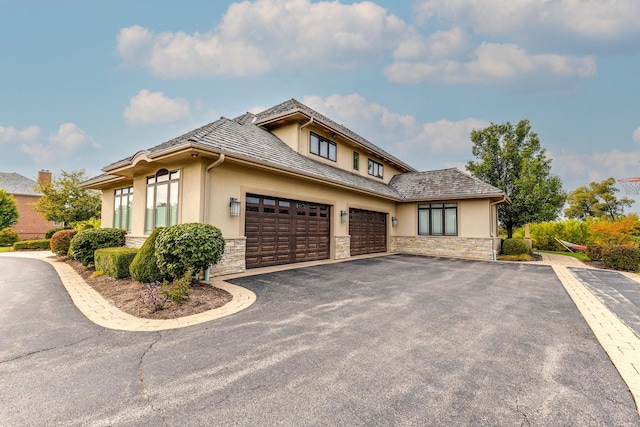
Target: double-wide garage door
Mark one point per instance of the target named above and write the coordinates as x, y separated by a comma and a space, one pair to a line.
368, 230
283, 231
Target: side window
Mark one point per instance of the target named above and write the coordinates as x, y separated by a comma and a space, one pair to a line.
356, 160
322, 147
123, 203
375, 169
162, 199
438, 219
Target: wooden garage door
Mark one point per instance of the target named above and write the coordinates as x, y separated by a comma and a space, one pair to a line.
368, 231
282, 231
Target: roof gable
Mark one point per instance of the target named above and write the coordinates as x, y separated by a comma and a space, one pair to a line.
441, 185
14, 183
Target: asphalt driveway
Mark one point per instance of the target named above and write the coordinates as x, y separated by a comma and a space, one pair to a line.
398, 340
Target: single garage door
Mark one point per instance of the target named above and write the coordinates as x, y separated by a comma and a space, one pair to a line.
283, 231
368, 231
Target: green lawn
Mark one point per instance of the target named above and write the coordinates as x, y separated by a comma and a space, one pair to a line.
580, 256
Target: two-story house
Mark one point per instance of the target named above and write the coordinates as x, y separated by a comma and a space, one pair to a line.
290, 185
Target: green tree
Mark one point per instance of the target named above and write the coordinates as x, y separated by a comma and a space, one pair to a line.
511, 159
598, 200
8, 210
63, 200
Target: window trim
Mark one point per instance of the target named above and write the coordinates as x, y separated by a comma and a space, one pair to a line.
375, 169
118, 195
161, 178
329, 144
443, 208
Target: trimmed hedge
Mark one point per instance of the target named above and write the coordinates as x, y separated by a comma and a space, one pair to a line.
622, 258
8, 237
86, 242
26, 245
144, 267
61, 240
115, 262
50, 232
193, 245
594, 252
515, 247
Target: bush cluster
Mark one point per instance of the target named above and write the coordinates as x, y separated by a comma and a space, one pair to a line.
86, 242
50, 232
32, 244
114, 262
515, 247
8, 237
61, 240
178, 290
144, 267
184, 246
622, 257
594, 252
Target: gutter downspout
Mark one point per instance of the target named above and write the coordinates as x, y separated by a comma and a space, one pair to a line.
493, 232
205, 207
300, 134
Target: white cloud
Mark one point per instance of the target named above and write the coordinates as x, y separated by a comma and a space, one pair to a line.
401, 135
11, 134
613, 20
68, 140
148, 108
636, 135
255, 37
493, 63
580, 169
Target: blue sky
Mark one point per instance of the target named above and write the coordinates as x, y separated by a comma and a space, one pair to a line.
84, 84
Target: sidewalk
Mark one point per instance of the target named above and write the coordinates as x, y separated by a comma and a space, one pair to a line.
618, 341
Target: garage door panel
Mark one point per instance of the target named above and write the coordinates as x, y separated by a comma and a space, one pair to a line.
281, 231
368, 230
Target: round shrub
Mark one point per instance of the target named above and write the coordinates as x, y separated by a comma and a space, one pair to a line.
622, 258
185, 246
144, 267
84, 244
595, 252
515, 247
61, 240
8, 237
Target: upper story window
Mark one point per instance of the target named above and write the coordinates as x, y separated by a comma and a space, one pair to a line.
356, 160
375, 169
162, 199
123, 203
438, 219
322, 147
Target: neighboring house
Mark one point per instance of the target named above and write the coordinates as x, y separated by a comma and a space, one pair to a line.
289, 185
31, 224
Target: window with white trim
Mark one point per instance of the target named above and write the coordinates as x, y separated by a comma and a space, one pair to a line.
162, 200
438, 219
122, 206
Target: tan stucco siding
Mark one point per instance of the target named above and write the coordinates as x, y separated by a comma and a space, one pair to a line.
289, 134
237, 181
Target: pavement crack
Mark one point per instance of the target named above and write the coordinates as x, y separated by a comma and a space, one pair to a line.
143, 390
31, 353
525, 417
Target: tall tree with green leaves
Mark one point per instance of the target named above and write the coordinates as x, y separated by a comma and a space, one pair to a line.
8, 210
63, 200
598, 200
512, 159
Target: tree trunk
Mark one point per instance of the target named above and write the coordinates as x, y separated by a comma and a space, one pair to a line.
509, 231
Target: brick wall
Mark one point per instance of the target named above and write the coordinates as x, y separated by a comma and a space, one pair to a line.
31, 225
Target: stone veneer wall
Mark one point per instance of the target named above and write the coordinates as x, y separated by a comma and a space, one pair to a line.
233, 258
342, 245
450, 246
134, 241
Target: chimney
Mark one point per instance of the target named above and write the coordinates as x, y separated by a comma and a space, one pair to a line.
44, 177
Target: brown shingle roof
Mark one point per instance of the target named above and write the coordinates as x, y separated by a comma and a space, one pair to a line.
441, 185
